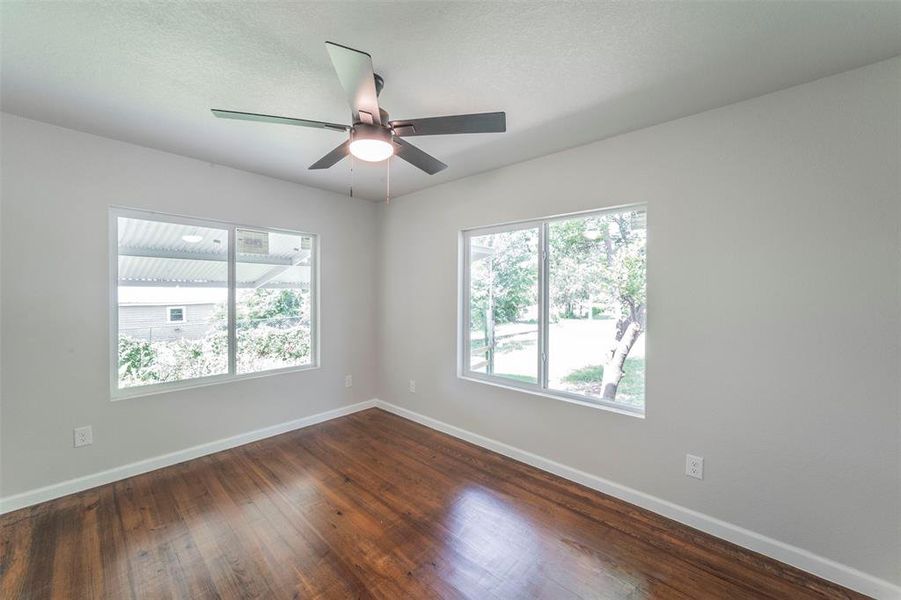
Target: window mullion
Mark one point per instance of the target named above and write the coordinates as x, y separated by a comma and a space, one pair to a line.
467, 306
232, 267
543, 306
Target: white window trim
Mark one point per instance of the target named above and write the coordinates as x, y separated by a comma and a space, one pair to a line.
184, 314
463, 334
117, 393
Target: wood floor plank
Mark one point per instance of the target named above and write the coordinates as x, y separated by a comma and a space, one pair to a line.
359, 521
370, 506
770, 578
15, 552
570, 539
115, 568
283, 540
434, 494
418, 532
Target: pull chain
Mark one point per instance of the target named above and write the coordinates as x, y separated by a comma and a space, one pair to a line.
388, 181
351, 175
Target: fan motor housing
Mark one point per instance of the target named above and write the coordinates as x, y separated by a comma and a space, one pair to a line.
362, 131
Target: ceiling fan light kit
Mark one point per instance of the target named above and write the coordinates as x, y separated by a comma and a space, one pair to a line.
371, 143
373, 138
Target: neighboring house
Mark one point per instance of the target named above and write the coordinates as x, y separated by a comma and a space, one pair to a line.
155, 322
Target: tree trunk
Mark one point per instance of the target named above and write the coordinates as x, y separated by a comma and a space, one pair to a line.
613, 370
608, 248
621, 325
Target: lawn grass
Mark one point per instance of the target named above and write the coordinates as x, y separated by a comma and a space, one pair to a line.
587, 380
631, 388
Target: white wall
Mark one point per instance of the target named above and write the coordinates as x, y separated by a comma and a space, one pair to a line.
773, 283
57, 186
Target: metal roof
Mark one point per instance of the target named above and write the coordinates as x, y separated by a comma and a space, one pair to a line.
157, 254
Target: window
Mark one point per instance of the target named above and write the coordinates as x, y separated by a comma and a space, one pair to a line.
558, 306
503, 295
273, 300
251, 294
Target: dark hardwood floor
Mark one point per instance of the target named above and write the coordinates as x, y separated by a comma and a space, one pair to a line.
369, 506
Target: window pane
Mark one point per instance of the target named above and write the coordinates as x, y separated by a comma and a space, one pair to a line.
596, 280
503, 306
273, 300
160, 265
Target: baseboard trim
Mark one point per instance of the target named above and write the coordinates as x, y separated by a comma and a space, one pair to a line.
71, 486
791, 555
820, 566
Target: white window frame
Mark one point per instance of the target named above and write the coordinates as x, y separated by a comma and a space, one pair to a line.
117, 393
169, 309
463, 336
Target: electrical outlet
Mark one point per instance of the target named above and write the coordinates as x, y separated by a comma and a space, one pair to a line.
348, 381
694, 466
83, 436
413, 386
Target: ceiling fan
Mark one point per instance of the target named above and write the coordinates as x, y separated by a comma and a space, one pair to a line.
373, 137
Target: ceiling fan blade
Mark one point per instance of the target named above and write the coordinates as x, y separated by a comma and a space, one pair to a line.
354, 69
332, 157
417, 157
245, 116
495, 122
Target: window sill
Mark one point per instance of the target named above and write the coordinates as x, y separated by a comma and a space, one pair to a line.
571, 398
178, 386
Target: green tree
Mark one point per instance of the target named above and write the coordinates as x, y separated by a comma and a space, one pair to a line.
577, 261
592, 260
625, 282
135, 358
601, 260
261, 305
505, 281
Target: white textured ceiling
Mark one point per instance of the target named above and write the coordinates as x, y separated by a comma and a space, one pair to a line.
566, 73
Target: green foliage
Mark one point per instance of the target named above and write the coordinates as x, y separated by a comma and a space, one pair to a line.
134, 357
577, 264
143, 362
598, 313
596, 268
266, 347
261, 305
598, 260
626, 281
256, 307
508, 278
273, 331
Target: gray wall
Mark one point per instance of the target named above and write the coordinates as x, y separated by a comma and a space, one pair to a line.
150, 321
774, 301
773, 283
57, 186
